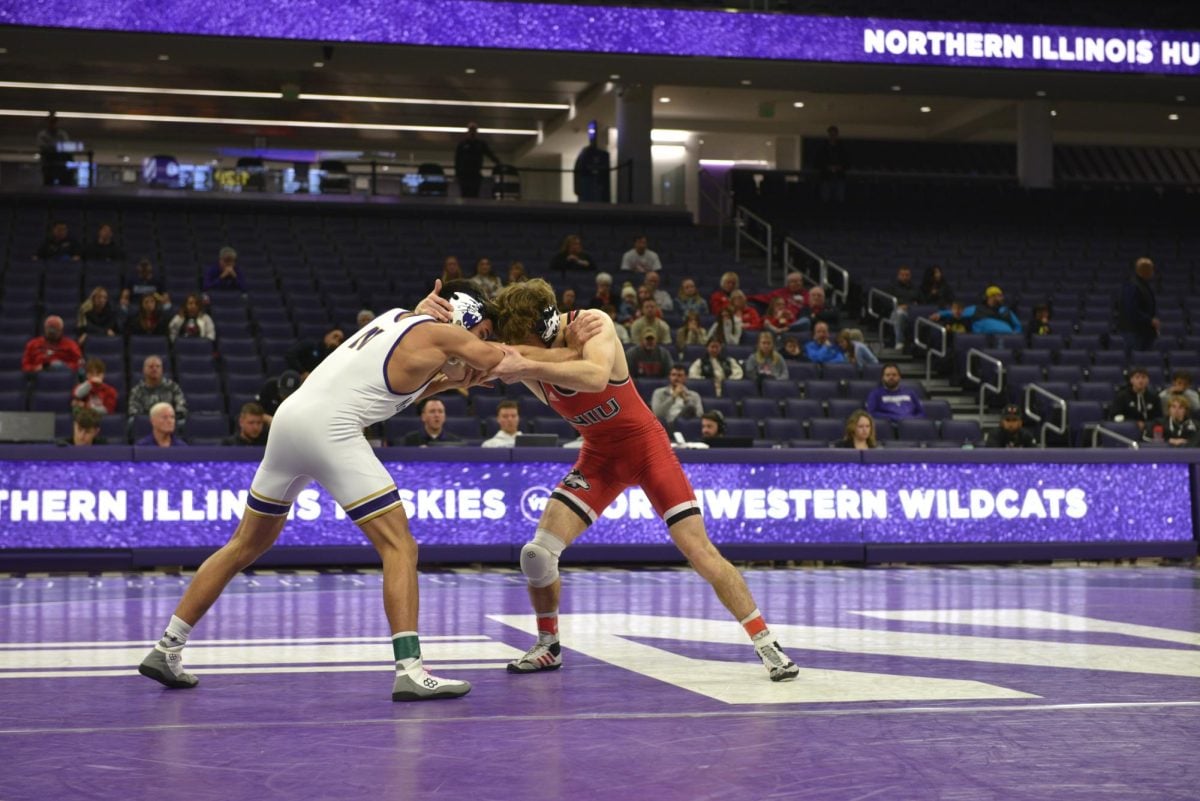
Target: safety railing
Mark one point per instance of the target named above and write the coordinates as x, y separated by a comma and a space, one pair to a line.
874, 298
975, 354
743, 218
935, 332
1034, 414
839, 289
803, 260
1100, 432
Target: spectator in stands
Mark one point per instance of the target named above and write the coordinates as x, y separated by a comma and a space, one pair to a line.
305, 355
1135, 402
59, 245
433, 422
486, 281
104, 247
516, 273
833, 163
791, 349
97, 317
629, 308
712, 426
162, 428
675, 400
1139, 308
935, 290
468, 161
52, 350
451, 270
952, 319
779, 317
1176, 428
639, 258
93, 393
751, 320
662, 297
688, 298
892, 401
992, 316
603, 295
650, 320
727, 328
1010, 433
570, 256
720, 299
792, 291
363, 317
765, 362
906, 294
1039, 324
621, 329
224, 275
1181, 387
149, 321
54, 162
859, 433
818, 310
715, 366
153, 389
649, 359
822, 350
854, 347
566, 301
252, 427
192, 321
85, 429
691, 332
143, 281
275, 391
508, 417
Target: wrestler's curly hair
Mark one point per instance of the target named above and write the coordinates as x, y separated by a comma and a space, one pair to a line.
519, 309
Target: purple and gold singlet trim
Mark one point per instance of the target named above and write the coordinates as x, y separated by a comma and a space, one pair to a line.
374, 507
267, 506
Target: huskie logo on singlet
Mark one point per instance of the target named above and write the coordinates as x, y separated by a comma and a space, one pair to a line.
575, 480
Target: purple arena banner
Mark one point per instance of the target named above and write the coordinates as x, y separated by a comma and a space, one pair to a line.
638, 31
76, 505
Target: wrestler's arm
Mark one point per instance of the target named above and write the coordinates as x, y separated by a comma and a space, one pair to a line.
590, 372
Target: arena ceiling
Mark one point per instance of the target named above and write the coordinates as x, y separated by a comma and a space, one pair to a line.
707, 95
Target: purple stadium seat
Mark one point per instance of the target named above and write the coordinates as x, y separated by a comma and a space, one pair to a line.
826, 429
760, 408
782, 429
802, 408
741, 428
916, 429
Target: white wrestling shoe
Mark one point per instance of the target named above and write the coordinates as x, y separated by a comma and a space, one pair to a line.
542, 656
165, 665
778, 666
427, 687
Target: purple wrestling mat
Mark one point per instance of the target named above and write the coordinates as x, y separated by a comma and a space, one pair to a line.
1021, 684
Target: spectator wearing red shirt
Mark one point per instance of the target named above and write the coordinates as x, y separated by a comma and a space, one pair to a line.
793, 293
94, 393
720, 299
51, 351
751, 320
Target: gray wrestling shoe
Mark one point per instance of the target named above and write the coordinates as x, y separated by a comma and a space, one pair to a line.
542, 656
427, 687
166, 667
779, 667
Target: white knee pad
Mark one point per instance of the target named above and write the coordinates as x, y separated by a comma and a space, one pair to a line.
539, 558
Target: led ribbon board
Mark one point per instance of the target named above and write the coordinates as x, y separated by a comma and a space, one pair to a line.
145, 504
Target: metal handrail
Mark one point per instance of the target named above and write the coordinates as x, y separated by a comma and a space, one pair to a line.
788, 266
998, 387
740, 215
930, 351
883, 318
1047, 425
1101, 431
838, 293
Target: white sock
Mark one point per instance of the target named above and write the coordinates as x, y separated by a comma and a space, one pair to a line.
176, 634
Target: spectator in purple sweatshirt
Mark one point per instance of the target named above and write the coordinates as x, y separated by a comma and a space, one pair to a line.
892, 401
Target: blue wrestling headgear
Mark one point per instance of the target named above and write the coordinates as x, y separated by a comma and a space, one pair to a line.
547, 327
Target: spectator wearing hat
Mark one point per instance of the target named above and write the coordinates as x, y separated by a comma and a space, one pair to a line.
224, 274
1136, 402
893, 401
649, 359
275, 391
52, 350
1010, 433
650, 319
252, 427
639, 258
992, 316
675, 399
162, 428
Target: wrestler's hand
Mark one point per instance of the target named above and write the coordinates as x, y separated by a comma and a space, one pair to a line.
511, 368
587, 324
435, 305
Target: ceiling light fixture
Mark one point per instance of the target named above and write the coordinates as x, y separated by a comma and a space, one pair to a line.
1180, 98
926, 109
1053, 112
746, 82
134, 90
429, 101
469, 70
669, 136
163, 57
664, 100
614, 77
318, 64
798, 104
1040, 93
352, 126
896, 87
1173, 117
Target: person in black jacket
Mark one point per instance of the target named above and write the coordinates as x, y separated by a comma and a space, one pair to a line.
304, 356
1139, 308
1136, 402
1177, 429
468, 162
1010, 433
